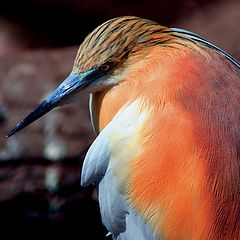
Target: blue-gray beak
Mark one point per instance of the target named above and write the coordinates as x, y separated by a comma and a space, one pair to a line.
65, 91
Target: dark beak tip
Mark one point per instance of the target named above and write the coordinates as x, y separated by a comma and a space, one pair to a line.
43, 108
54, 100
12, 132
9, 134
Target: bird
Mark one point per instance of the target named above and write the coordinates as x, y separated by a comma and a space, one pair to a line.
165, 106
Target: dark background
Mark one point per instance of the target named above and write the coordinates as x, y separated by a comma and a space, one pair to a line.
40, 193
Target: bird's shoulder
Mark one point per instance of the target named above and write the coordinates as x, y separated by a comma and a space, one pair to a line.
111, 146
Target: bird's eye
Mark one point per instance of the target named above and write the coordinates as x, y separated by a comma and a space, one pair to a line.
105, 67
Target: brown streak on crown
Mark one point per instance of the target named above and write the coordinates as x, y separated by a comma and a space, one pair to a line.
115, 39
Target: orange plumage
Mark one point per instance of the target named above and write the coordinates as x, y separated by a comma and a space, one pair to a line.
166, 106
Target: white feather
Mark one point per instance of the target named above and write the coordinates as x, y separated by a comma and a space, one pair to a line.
106, 165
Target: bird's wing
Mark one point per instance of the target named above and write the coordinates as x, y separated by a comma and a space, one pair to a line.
96, 170
201, 40
112, 140
97, 159
106, 166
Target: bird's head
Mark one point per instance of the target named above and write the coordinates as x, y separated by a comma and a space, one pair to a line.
102, 60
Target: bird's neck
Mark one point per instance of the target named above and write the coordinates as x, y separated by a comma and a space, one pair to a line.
146, 78
104, 106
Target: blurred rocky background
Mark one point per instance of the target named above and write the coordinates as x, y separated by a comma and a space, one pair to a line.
40, 167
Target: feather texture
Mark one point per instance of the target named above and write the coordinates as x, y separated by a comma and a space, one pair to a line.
106, 165
171, 158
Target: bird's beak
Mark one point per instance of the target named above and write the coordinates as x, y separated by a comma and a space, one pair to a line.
62, 95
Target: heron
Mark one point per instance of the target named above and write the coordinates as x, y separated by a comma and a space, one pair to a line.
165, 107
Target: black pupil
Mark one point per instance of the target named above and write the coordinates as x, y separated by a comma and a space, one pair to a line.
105, 67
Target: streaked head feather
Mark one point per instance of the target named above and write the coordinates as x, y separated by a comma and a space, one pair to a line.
115, 39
